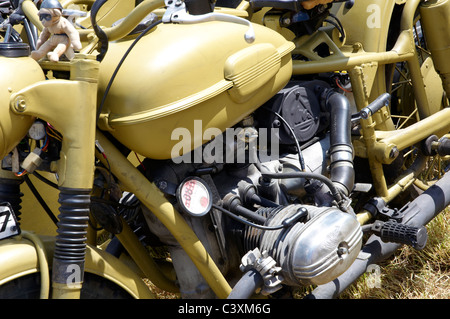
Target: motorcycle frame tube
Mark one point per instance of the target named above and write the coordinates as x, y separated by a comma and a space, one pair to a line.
367, 48
143, 260
35, 251
31, 12
418, 213
356, 57
374, 146
134, 182
132, 19
43, 263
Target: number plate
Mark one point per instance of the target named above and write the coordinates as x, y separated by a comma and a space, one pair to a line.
8, 222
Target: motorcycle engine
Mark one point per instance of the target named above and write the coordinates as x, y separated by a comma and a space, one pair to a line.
295, 221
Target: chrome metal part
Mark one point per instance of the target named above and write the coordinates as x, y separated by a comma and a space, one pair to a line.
267, 268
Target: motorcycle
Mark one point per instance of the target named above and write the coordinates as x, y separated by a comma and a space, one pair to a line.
220, 149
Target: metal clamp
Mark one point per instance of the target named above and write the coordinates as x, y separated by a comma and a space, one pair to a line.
266, 266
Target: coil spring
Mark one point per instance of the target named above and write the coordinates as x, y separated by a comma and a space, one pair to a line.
10, 192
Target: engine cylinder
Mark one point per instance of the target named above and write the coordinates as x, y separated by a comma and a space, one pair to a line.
313, 252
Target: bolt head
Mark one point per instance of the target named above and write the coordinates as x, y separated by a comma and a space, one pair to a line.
20, 105
394, 152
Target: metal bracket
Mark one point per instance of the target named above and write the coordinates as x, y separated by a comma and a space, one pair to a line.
267, 268
176, 13
376, 206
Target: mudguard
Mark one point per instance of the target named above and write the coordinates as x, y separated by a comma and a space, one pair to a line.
20, 257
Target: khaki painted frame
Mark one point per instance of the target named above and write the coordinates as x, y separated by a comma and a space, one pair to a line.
364, 62
364, 58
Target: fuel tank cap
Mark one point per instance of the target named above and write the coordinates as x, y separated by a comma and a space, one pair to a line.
14, 49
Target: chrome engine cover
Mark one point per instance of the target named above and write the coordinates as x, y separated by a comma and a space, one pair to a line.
317, 251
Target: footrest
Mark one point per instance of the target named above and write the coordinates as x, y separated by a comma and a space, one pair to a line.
394, 232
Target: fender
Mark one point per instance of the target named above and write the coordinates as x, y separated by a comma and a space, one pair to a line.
369, 21
20, 257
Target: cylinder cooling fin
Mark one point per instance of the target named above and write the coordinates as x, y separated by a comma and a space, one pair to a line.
315, 251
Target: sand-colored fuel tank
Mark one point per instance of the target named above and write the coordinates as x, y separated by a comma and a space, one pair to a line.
17, 71
181, 73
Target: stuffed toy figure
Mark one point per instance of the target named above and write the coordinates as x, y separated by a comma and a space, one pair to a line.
58, 37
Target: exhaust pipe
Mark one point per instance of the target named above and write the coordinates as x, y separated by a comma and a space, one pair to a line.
417, 213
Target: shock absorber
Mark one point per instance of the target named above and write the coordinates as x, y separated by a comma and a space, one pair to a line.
70, 247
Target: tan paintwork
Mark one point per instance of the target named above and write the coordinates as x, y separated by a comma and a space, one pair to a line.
189, 91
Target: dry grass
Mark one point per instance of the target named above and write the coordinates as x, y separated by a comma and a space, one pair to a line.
412, 274
159, 293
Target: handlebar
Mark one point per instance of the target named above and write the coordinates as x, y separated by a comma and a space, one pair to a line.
132, 19
113, 33
137, 15
30, 10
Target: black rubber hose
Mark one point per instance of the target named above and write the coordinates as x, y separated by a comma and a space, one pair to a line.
101, 35
341, 148
247, 285
342, 174
70, 246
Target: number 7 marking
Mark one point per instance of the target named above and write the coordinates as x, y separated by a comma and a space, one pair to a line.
7, 214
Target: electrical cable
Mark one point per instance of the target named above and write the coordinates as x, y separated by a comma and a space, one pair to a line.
113, 203
337, 20
40, 199
45, 180
337, 25
246, 222
297, 144
101, 35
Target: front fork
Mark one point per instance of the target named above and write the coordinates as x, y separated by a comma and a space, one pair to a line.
70, 246
70, 106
